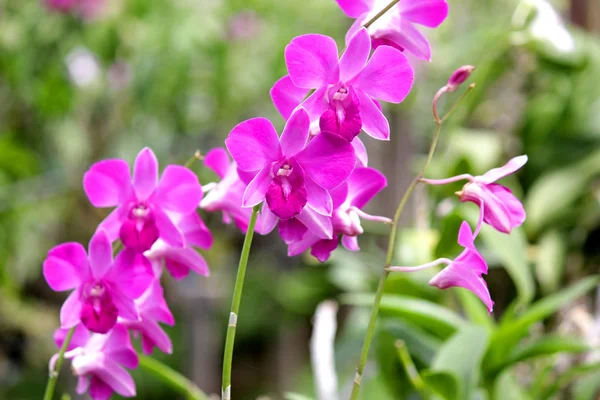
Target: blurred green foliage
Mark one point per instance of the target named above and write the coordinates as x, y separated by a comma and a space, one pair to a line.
178, 75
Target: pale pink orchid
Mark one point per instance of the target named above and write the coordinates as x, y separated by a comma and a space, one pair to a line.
104, 289
143, 203
346, 89
464, 271
499, 207
98, 361
349, 199
289, 172
396, 27
152, 309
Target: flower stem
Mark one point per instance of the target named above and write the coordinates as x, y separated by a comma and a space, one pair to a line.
56, 370
235, 306
380, 13
172, 378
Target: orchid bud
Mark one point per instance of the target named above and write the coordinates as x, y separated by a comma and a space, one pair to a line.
459, 76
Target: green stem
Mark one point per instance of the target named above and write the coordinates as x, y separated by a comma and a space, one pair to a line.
172, 378
235, 306
197, 156
380, 13
390, 251
53, 378
411, 370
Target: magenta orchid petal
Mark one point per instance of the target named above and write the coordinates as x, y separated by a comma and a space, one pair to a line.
100, 254
186, 258
71, 310
169, 232
66, 267
516, 211
195, 231
291, 230
153, 335
218, 160
114, 376
152, 304
350, 243
363, 185
502, 209
354, 8
318, 198
328, 159
131, 273
301, 246
83, 385
266, 220
112, 224
319, 225
99, 390
287, 195
356, 55
316, 104
253, 144
340, 194
362, 158
410, 38
312, 61
497, 173
322, 249
295, 134
430, 13
124, 306
107, 183
257, 189
388, 76
374, 123
178, 190
145, 174
113, 347
286, 96
80, 337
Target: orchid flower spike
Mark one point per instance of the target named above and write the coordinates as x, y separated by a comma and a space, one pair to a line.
457, 78
396, 27
104, 289
144, 204
464, 271
289, 172
499, 207
347, 89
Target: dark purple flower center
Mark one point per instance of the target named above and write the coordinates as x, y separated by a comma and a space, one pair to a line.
98, 313
343, 115
287, 195
139, 231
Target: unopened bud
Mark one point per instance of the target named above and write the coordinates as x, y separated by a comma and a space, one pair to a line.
459, 76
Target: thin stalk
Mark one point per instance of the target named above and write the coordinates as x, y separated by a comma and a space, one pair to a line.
390, 251
411, 370
172, 378
53, 378
235, 306
380, 13
197, 156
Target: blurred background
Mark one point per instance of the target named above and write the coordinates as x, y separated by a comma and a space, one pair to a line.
117, 75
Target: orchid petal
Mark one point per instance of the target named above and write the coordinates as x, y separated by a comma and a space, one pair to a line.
323, 248
257, 189
356, 55
459, 274
266, 220
312, 61
375, 124
167, 229
316, 104
362, 158
66, 267
318, 224
318, 198
218, 160
430, 13
70, 312
100, 254
350, 243
254, 144
291, 230
497, 173
363, 185
295, 134
178, 190
145, 174
354, 8
107, 183
286, 96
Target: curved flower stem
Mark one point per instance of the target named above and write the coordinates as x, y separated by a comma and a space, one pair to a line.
49, 393
173, 378
380, 13
390, 252
235, 305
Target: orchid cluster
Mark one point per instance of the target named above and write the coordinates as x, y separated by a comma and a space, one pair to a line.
312, 182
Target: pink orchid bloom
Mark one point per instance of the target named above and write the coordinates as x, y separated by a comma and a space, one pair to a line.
499, 207
98, 360
396, 27
87, 9
142, 202
103, 289
464, 271
179, 261
152, 309
226, 195
290, 172
349, 199
346, 89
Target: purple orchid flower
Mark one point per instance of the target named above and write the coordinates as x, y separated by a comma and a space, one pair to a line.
346, 89
152, 309
98, 360
290, 172
142, 203
179, 261
103, 289
349, 199
499, 207
396, 27
464, 271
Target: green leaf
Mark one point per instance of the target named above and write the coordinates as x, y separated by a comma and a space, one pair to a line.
443, 383
507, 387
587, 387
568, 376
462, 354
554, 193
432, 317
422, 345
549, 267
511, 250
